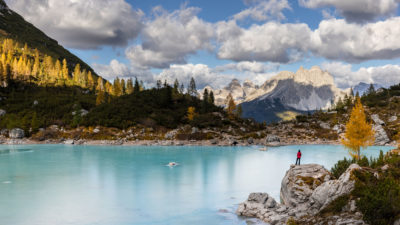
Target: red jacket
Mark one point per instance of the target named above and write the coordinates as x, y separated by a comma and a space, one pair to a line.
298, 155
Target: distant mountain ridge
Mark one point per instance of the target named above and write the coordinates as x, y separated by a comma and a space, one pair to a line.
300, 92
362, 88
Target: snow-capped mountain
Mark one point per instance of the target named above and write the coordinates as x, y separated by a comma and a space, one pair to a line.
303, 91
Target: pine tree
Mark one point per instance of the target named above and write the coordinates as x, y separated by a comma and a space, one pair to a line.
182, 89
36, 64
231, 105
359, 133
192, 91
129, 86
205, 100
136, 88
77, 74
211, 98
117, 90
91, 80
100, 85
371, 89
176, 86
123, 87
239, 111
100, 98
158, 84
65, 72
35, 123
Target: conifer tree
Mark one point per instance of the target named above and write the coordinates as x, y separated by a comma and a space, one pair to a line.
176, 87
136, 88
65, 72
231, 105
91, 80
77, 74
192, 91
359, 133
129, 86
182, 89
117, 90
123, 87
100, 85
100, 98
211, 98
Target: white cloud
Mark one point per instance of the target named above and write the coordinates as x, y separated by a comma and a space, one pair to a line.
264, 10
202, 74
246, 66
345, 77
336, 39
170, 37
357, 10
82, 24
121, 70
272, 41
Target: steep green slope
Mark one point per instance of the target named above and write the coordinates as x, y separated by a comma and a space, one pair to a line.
14, 26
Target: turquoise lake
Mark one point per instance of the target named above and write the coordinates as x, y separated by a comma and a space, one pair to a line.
103, 185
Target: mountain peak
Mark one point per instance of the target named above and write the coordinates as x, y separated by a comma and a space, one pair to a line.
315, 77
3, 5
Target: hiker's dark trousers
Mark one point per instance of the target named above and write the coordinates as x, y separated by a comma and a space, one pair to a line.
298, 160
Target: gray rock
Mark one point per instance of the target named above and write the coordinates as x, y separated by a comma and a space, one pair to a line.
381, 137
272, 138
377, 120
96, 130
4, 132
195, 130
299, 183
35, 102
324, 125
3, 112
17, 133
84, 112
397, 222
330, 190
171, 134
69, 142
250, 140
392, 118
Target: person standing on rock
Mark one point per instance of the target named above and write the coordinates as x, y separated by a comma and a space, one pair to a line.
298, 157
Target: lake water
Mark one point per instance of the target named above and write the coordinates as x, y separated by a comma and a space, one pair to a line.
103, 185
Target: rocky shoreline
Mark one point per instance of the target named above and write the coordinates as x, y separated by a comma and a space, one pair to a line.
213, 142
306, 191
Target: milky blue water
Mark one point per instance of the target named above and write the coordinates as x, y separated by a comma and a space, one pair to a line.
103, 185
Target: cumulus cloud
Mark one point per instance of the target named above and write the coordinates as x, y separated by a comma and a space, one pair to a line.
345, 77
334, 39
271, 41
264, 10
339, 40
121, 70
170, 37
202, 74
246, 66
82, 24
357, 10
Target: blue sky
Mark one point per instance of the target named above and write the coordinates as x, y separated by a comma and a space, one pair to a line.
216, 41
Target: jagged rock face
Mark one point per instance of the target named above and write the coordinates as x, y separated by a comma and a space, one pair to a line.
305, 191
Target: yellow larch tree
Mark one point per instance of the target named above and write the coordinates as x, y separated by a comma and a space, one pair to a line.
359, 133
191, 113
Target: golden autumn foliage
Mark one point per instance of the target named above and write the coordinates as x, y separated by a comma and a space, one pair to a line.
191, 113
359, 133
231, 105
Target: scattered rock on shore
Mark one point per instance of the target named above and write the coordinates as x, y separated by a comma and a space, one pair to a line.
17, 133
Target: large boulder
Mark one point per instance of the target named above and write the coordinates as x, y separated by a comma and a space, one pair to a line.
2, 112
381, 137
332, 189
17, 133
300, 182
